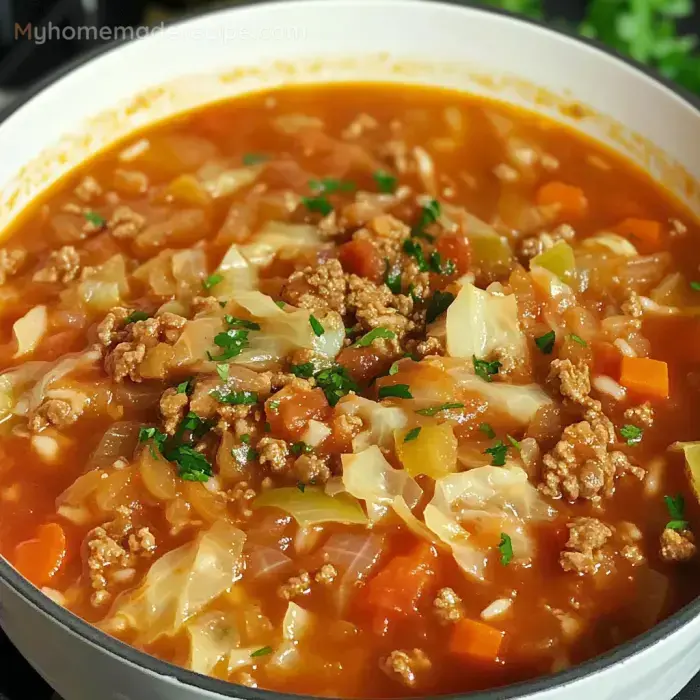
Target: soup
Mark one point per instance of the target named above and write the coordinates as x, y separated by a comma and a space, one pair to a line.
354, 391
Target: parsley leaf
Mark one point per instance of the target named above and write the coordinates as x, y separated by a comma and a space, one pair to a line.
300, 448
254, 158
319, 205
245, 439
505, 546
416, 252
301, 486
232, 342
154, 434
578, 339
94, 218
485, 369
394, 368
546, 342
429, 214
330, 185
440, 268
392, 278
366, 340
695, 286
316, 326
184, 387
212, 280
304, 370
498, 453
136, 316
676, 510
399, 391
274, 407
439, 303
335, 382
487, 430
222, 370
386, 182
264, 651
235, 398
412, 434
192, 465
434, 410
514, 442
235, 322
632, 434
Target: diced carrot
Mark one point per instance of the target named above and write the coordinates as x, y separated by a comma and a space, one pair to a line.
453, 246
397, 588
475, 640
361, 257
645, 376
289, 411
571, 200
40, 558
643, 233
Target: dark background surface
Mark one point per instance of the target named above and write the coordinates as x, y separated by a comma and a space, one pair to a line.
22, 63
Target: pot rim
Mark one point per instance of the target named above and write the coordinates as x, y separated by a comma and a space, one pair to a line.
225, 689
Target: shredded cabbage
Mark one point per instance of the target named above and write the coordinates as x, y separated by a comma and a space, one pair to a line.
612, 242
220, 182
691, 452
312, 505
29, 330
296, 626
280, 238
181, 584
106, 286
499, 499
212, 636
380, 421
236, 272
479, 323
368, 476
559, 259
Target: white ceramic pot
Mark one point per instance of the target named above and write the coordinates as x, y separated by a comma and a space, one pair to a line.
106, 96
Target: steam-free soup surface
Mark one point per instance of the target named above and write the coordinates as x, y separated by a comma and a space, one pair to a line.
354, 391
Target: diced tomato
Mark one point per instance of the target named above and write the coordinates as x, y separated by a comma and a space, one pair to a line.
289, 411
363, 364
606, 359
453, 246
361, 257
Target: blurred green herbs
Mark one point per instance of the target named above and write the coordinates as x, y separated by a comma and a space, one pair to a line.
643, 29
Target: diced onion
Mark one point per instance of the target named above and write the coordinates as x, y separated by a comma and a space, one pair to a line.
29, 330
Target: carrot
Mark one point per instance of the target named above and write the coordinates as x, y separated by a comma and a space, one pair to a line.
398, 587
455, 247
40, 558
571, 200
645, 376
289, 411
475, 640
644, 233
361, 257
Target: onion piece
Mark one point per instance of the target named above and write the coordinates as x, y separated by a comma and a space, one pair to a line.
265, 562
119, 441
29, 330
212, 636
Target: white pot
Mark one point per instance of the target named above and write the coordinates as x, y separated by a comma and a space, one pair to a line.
105, 97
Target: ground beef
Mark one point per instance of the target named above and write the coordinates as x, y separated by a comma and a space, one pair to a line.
241, 496
534, 245
633, 554
88, 189
448, 606
11, 262
677, 545
273, 452
326, 574
207, 306
295, 586
573, 382
59, 413
582, 465
346, 426
583, 549
312, 469
633, 306
318, 288
430, 346
112, 327
374, 306
359, 125
173, 407
124, 360
641, 415
143, 541
406, 666
125, 223
63, 265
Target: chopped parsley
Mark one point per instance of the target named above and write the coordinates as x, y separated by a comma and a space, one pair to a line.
154, 434
676, 510
212, 280
264, 651
498, 453
280, 303
485, 369
417, 299
399, 391
330, 185
439, 303
505, 546
415, 250
335, 382
368, 338
253, 158
546, 342
386, 182
94, 218
222, 370
245, 439
267, 427
392, 278
440, 268
184, 387
412, 434
316, 326
196, 425
320, 205
434, 410
274, 407
487, 430
232, 342
578, 339
632, 434
429, 214
301, 486
192, 465
235, 322
136, 316
514, 442
394, 368
235, 398
252, 454
695, 286
304, 370
300, 448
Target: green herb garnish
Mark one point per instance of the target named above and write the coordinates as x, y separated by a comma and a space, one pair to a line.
192, 465
235, 398
264, 651
487, 430
245, 439
392, 279
136, 316
415, 250
184, 387
300, 448
316, 326
94, 218
514, 442
394, 368
437, 409
676, 510
439, 303
235, 322
328, 185
254, 158
232, 342
399, 391
546, 342
304, 370
485, 369
274, 407
319, 205
301, 486
412, 434
439, 267
386, 182
498, 453
578, 339
212, 280
429, 214
632, 434
223, 370
505, 546
335, 383
367, 339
